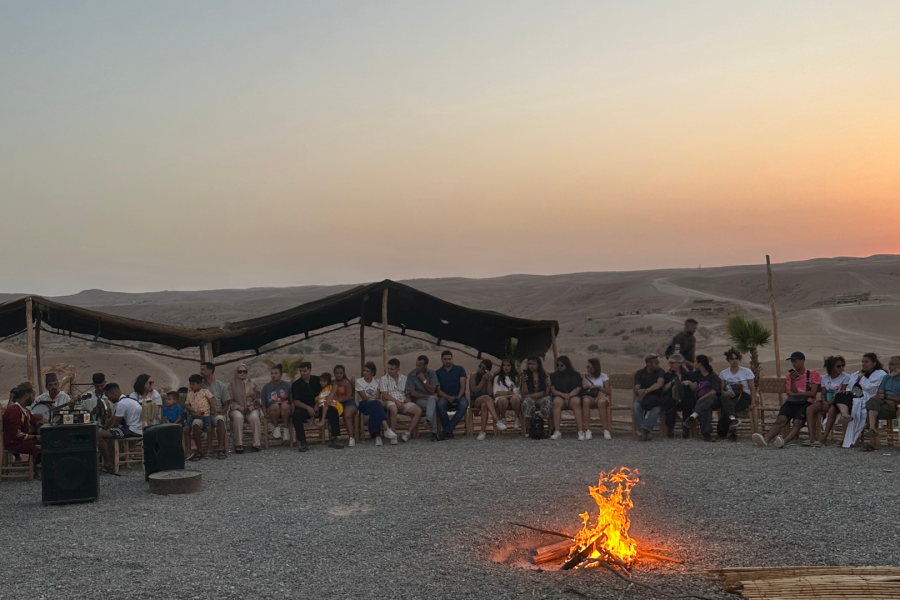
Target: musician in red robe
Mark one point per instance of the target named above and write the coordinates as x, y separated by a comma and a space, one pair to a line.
19, 422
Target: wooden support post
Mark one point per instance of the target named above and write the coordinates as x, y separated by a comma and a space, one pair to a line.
384, 329
204, 352
37, 352
774, 331
362, 334
29, 340
553, 342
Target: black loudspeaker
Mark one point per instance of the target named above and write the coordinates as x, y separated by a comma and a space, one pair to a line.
71, 469
163, 448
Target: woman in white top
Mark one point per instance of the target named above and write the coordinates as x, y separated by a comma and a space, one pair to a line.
148, 398
597, 394
506, 391
862, 385
834, 385
738, 391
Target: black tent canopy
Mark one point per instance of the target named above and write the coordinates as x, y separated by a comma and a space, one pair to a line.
386, 302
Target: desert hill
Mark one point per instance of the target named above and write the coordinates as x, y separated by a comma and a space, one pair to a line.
848, 305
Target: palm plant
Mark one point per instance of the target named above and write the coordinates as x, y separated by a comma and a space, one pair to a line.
289, 366
749, 336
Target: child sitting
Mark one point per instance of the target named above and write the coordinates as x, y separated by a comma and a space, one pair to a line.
330, 410
197, 405
172, 411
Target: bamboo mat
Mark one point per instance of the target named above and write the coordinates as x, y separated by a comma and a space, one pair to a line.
811, 583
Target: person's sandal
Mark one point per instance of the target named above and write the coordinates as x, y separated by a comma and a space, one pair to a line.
816, 444
807, 443
869, 434
221, 454
868, 448
254, 448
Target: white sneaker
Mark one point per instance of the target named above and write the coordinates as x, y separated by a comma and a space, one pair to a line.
389, 434
277, 433
556, 435
394, 441
405, 437
588, 435
581, 436
481, 436
378, 441
517, 426
607, 435
352, 442
501, 426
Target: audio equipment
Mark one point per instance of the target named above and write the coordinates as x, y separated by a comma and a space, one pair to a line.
70, 468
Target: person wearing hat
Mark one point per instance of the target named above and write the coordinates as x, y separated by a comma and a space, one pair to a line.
53, 397
19, 424
802, 387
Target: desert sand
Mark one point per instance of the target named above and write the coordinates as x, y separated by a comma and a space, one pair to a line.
825, 306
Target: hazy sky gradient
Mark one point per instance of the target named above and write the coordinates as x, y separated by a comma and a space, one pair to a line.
191, 145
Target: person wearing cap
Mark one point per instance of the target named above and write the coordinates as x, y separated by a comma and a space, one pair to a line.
802, 387
647, 396
53, 395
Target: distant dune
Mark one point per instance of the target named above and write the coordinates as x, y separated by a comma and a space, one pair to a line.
848, 305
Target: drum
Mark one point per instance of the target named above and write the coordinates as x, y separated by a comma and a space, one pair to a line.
43, 410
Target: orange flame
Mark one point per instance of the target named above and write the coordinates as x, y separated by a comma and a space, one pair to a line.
608, 537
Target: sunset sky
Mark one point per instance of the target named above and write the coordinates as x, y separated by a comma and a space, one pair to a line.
193, 145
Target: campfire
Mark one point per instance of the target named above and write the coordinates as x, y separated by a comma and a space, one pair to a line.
606, 538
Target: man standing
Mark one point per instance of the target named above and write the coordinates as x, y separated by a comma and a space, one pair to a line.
648, 383
885, 402
452, 392
395, 397
53, 395
19, 422
685, 344
303, 398
220, 394
422, 385
125, 422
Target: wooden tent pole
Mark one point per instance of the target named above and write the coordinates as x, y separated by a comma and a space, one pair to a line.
384, 329
774, 328
362, 334
29, 340
203, 353
37, 353
553, 342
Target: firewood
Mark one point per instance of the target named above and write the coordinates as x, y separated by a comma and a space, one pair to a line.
546, 554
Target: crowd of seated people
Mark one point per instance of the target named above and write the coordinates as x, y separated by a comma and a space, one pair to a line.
688, 390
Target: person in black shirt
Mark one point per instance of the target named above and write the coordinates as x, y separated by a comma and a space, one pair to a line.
707, 389
685, 344
565, 386
677, 395
647, 403
303, 394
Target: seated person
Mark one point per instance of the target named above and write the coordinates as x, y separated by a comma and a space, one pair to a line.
97, 403
452, 386
276, 401
124, 422
648, 383
597, 393
706, 388
329, 409
53, 395
172, 411
198, 406
19, 424
802, 386
885, 403
677, 395
482, 393
304, 392
422, 385
834, 386
565, 385
536, 399
738, 391
393, 392
342, 393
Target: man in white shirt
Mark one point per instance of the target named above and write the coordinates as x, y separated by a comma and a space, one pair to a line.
53, 396
397, 400
125, 422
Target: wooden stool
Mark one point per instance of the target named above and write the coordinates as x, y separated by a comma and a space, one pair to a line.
10, 468
128, 451
887, 435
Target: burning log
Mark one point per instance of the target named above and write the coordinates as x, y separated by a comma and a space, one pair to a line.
579, 557
556, 551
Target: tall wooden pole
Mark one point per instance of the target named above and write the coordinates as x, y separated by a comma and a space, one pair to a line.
553, 343
29, 340
37, 352
204, 352
362, 334
384, 329
774, 325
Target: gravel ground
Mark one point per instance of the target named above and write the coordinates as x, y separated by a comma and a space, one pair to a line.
424, 520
